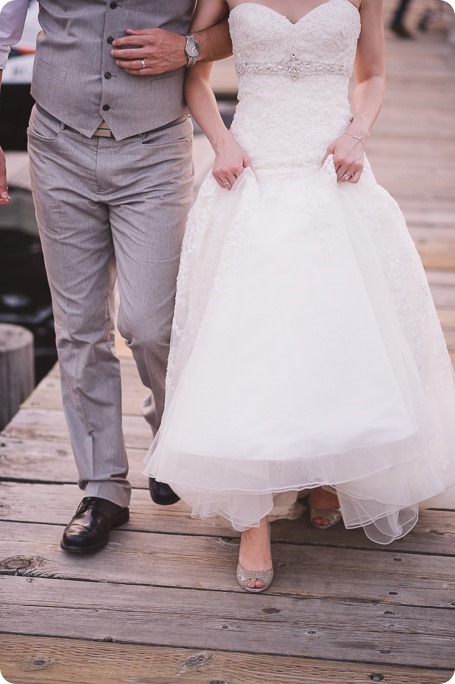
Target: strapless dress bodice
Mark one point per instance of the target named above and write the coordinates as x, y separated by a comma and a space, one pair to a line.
293, 80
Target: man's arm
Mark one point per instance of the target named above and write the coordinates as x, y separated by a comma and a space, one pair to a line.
12, 20
165, 51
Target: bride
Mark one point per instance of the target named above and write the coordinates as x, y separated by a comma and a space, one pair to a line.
306, 352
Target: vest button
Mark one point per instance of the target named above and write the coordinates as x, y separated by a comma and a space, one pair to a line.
113, 5
110, 40
107, 74
106, 108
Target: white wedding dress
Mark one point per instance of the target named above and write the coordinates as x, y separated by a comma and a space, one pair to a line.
306, 349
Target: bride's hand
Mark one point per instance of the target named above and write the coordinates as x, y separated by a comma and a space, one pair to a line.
230, 162
348, 157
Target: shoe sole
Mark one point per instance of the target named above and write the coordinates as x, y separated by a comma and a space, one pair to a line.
121, 519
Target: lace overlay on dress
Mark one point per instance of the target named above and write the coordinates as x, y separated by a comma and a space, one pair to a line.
306, 347
289, 81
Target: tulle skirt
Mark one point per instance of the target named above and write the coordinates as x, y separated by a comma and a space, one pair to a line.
305, 351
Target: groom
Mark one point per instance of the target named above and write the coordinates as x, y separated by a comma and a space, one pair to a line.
111, 169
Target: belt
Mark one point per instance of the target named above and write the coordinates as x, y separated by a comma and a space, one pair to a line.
103, 131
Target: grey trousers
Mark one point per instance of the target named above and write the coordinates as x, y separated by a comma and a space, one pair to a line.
109, 210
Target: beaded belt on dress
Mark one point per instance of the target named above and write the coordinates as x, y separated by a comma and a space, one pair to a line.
293, 67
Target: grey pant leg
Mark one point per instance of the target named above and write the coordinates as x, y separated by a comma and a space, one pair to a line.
79, 255
147, 229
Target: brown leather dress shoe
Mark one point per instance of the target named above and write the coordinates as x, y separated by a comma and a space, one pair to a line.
89, 529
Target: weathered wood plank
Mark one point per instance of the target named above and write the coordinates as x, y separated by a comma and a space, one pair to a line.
443, 296
55, 505
47, 394
439, 255
269, 624
449, 336
438, 215
43, 461
17, 374
209, 563
47, 425
31, 660
443, 278
447, 318
442, 285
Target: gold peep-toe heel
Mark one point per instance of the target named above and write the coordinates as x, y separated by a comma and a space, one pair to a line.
332, 515
245, 576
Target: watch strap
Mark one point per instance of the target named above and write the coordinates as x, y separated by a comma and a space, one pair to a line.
192, 59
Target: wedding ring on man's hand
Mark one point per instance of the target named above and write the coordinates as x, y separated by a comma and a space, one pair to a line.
347, 176
225, 184
143, 64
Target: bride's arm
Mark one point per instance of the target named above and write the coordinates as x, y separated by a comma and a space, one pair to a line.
230, 159
348, 149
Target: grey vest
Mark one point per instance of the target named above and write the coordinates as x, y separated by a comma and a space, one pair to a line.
77, 81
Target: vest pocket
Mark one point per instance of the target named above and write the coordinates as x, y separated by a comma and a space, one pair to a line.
42, 67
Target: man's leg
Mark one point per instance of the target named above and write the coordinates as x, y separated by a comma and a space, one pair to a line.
79, 255
148, 220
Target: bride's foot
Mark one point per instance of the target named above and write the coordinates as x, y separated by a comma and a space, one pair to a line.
324, 509
255, 571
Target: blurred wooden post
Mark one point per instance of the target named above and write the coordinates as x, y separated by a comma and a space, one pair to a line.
17, 376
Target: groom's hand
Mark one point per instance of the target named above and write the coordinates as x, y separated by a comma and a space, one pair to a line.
147, 52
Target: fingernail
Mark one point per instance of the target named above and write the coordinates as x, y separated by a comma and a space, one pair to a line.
4, 195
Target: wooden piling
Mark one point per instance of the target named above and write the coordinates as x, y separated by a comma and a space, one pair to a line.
17, 377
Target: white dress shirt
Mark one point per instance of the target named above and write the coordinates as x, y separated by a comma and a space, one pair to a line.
12, 20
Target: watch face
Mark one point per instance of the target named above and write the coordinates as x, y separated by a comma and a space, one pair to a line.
192, 49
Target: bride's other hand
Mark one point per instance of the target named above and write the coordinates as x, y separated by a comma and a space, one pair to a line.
230, 159
348, 150
230, 162
348, 157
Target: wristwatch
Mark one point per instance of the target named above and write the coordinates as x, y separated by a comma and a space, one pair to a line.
192, 49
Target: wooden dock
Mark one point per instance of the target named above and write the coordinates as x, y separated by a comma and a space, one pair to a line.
160, 604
